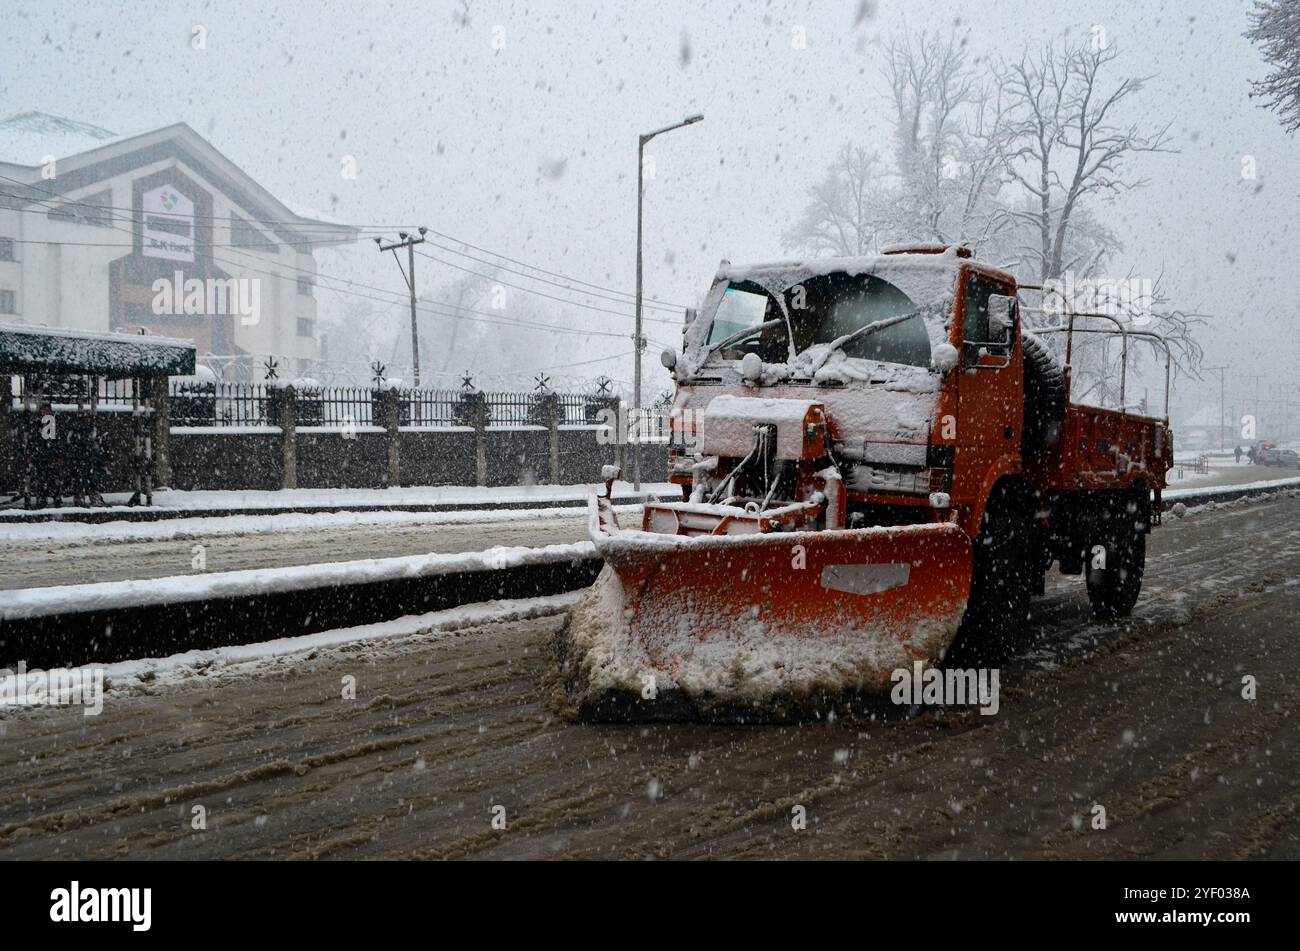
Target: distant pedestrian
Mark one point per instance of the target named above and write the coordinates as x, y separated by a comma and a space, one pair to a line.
1251, 455
1237, 454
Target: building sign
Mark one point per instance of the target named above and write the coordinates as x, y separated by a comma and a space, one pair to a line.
168, 225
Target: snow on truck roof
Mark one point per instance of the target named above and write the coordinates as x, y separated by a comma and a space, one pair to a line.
926, 276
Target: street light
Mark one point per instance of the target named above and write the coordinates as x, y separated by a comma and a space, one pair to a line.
637, 340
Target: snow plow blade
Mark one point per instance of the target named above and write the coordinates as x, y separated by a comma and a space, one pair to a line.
759, 626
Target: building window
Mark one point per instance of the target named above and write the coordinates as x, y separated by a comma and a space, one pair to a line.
94, 210
8, 302
244, 235
305, 326
305, 284
7, 249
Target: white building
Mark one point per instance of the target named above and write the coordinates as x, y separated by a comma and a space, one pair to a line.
158, 231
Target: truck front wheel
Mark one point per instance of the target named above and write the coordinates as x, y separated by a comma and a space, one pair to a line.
1116, 562
1007, 571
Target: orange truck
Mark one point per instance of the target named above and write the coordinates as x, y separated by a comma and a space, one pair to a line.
876, 460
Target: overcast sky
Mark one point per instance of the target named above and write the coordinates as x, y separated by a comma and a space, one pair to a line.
529, 149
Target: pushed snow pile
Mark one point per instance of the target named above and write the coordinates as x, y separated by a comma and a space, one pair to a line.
714, 664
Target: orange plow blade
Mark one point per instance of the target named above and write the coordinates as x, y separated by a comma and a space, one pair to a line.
748, 621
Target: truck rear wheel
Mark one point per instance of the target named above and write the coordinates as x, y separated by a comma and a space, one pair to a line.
1115, 580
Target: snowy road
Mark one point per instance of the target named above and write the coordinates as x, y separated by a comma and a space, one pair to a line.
1145, 719
40, 555
78, 554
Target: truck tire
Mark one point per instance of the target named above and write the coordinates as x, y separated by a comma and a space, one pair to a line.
1113, 589
1007, 570
1044, 397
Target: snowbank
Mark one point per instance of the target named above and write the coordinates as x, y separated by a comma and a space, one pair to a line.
109, 595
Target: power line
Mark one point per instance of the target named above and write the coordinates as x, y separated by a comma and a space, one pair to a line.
243, 249
573, 280
458, 311
58, 196
660, 305
625, 299
534, 291
326, 229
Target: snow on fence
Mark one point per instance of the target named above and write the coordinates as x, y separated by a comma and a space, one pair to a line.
198, 404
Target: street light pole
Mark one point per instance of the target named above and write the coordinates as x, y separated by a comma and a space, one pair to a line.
408, 242
638, 340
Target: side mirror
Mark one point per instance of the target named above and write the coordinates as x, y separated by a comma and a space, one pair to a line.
1002, 318
944, 358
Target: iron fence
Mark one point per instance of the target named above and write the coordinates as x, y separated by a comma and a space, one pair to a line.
257, 404
220, 404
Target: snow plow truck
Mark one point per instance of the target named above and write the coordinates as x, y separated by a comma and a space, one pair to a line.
877, 462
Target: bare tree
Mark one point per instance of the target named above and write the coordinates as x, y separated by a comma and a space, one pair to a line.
945, 124
1276, 30
459, 298
846, 210
1064, 143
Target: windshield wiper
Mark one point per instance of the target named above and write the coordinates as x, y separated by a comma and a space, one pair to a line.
741, 335
860, 332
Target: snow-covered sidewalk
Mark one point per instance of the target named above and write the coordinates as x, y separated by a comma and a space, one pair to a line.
277, 523
440, 498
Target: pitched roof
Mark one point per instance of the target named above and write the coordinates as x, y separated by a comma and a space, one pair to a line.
99, 154
32, 138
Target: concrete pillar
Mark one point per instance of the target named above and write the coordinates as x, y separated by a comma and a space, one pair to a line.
553, 418
162, 431
479, 419
288, 403
391, 402
10, 471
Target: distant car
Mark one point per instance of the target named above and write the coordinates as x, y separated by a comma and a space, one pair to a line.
1267, 455
1288, 457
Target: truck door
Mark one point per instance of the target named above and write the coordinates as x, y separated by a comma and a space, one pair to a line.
990, 389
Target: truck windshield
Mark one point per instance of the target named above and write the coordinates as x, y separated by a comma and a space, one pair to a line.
821, 310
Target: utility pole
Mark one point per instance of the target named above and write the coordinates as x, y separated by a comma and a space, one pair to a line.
408, 242
1222, 433
638, 340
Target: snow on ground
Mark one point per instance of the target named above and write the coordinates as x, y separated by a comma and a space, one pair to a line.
1200, 492
346, 499
91, 533
1222, 470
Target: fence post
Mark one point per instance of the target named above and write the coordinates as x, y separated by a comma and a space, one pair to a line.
554, 415
480, 421
9, 466
392, 418
288, 405
162, 430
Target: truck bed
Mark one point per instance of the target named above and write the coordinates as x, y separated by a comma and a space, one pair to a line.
1107, 449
